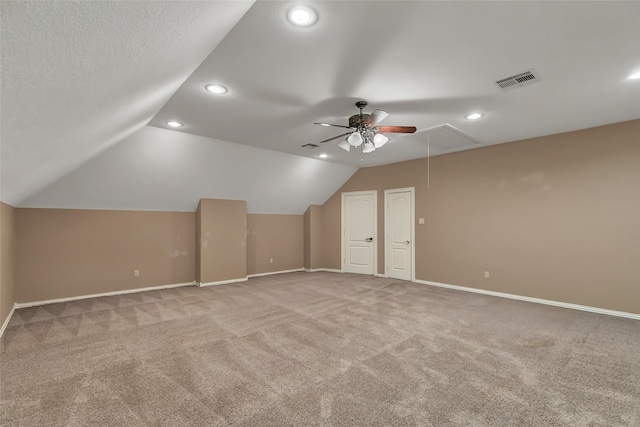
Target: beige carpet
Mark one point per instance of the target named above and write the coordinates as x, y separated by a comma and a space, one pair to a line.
317, 349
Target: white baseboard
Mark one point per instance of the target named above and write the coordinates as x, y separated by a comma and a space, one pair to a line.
330, 270
103, 294
6, 321
274, 272
423, 282
534, 300
221, 282
333, 270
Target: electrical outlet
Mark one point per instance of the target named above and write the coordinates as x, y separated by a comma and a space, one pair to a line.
270, 260
136, 273
486, 274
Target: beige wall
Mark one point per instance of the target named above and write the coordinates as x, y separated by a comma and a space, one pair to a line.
70, 252
306, 224
7, 260
555, 217
316, 237
223, 240
277, 237
198, 272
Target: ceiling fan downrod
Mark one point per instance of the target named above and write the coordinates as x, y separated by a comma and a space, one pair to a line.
361, 105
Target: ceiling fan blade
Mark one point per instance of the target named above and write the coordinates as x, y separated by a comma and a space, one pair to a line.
376, 117
335, 126
335, 137
396, 129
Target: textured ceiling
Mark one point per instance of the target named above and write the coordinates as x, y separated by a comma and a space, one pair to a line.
426, 63
81, 80
79, 76
159, 169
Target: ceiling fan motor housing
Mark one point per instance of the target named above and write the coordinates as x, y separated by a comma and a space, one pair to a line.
354, 120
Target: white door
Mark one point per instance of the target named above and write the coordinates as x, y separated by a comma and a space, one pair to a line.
399, 233
359, 232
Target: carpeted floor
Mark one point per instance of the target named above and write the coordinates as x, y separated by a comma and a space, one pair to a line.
317, 349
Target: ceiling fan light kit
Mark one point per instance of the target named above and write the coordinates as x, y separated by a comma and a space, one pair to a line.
355, 139
345, 145
364, 130
368, 147
379, 140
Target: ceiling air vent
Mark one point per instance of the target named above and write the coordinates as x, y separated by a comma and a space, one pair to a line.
519, 80
311, 146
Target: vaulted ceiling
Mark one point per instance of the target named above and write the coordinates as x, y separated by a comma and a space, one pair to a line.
87, 89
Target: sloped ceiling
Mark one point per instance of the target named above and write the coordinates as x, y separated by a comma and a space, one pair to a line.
158, 169
79, 78
428, 63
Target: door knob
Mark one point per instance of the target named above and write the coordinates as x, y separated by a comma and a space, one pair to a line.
406, 242
369, 239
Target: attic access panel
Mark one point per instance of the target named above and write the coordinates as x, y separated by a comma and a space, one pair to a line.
446, 138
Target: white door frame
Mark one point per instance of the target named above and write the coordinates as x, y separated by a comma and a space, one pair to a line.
387, 243
343, 231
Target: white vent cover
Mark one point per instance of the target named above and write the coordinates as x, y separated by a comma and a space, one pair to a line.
519, 80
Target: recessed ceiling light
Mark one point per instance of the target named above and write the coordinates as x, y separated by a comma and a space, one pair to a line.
634, 76
302, 16
175, 124
323, 156
217, 89
473, 116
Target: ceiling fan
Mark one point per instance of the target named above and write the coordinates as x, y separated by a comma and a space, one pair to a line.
364, 130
